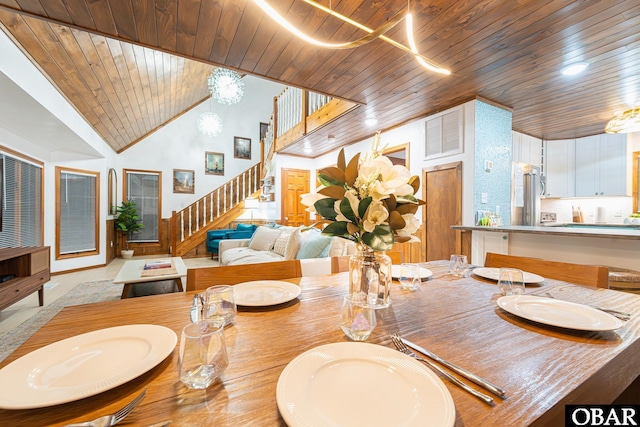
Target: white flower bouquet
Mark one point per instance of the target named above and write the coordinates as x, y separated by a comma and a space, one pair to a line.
370, 201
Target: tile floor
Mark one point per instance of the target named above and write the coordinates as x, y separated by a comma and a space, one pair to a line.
60, 284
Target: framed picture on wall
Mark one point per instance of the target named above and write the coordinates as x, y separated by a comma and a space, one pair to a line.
183, 181
213, 163
263, 130
241, 148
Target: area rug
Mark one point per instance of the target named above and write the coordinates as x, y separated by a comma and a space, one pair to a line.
84, 293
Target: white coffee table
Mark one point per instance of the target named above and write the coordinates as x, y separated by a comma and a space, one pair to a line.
130, 274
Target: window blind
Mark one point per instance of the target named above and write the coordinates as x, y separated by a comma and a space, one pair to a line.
143, 188
21, 203
77, 215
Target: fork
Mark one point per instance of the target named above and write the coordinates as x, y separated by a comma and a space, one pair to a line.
115, 418
619, 314
402, 347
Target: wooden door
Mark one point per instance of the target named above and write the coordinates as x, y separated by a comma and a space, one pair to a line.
442, 189
295, 182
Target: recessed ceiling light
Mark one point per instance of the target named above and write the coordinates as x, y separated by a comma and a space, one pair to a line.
371, 122
573, 69
308, 150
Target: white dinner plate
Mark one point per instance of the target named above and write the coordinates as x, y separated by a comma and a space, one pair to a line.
84, 365
360, 384
494, 274
560, 313
425, 273
261, 293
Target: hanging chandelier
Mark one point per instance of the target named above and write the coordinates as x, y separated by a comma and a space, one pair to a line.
372, 34
209, 124
226, 86
626, 122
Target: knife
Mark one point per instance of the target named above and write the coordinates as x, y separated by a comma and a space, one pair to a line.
195, 309
469, 375
162, 424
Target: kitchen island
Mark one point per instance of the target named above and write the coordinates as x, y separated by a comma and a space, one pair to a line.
596, 244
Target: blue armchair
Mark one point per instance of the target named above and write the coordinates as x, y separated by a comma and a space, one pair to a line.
242, 231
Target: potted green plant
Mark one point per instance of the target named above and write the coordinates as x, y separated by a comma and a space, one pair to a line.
127, 222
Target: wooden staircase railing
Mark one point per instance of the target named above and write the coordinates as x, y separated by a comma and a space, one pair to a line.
190, 225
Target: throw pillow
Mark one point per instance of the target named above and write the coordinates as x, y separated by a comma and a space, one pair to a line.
245, 227
339, 247
280, 245
313, 246
264, 238
293, 246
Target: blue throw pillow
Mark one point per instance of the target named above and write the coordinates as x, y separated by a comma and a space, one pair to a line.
313, 246
245, 227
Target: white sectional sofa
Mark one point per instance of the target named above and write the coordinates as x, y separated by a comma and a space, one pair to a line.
281, 243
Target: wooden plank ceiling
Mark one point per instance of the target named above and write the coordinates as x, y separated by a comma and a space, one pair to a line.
129, 66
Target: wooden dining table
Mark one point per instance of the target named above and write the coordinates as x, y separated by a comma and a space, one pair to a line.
541, 367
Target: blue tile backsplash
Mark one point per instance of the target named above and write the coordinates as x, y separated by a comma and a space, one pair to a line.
493, 143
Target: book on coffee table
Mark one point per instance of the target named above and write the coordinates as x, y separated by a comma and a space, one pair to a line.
157, 263
158, 267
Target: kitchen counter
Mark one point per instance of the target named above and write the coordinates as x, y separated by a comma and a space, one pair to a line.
593, 244
621, 231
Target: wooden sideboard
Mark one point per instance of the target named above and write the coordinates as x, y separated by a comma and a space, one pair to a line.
30, 266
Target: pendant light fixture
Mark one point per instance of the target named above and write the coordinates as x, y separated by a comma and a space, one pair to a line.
625, 122
226, 86
372, 34
209, 124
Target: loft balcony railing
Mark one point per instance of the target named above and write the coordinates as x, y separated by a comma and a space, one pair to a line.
297, 113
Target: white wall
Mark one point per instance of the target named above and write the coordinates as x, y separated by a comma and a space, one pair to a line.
179, 144
414, 134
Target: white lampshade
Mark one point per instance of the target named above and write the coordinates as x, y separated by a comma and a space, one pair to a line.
251, 204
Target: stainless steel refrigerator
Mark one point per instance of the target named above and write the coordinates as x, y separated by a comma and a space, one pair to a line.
527, 186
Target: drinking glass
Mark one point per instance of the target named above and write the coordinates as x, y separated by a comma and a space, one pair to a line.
458, 265
203, 354
219, 305
409, 276
511, 281
358, 318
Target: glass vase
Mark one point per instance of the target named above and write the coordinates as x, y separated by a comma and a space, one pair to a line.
370, 276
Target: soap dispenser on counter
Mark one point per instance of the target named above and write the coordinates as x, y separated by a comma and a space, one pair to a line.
576, 214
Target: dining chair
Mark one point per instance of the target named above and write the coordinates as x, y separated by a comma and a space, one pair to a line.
202, 278
580, 274
340, 264
396, 257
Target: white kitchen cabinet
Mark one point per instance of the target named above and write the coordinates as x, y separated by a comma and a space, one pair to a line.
601, 165
559, 168
488, 241
526, 149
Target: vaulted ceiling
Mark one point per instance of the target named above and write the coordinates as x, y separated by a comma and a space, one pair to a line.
130, 66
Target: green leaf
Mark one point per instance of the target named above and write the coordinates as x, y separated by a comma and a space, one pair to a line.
345, 208
327, 181
381, 239
337, 228
410, 199
363, 206
325, 208
333, 173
